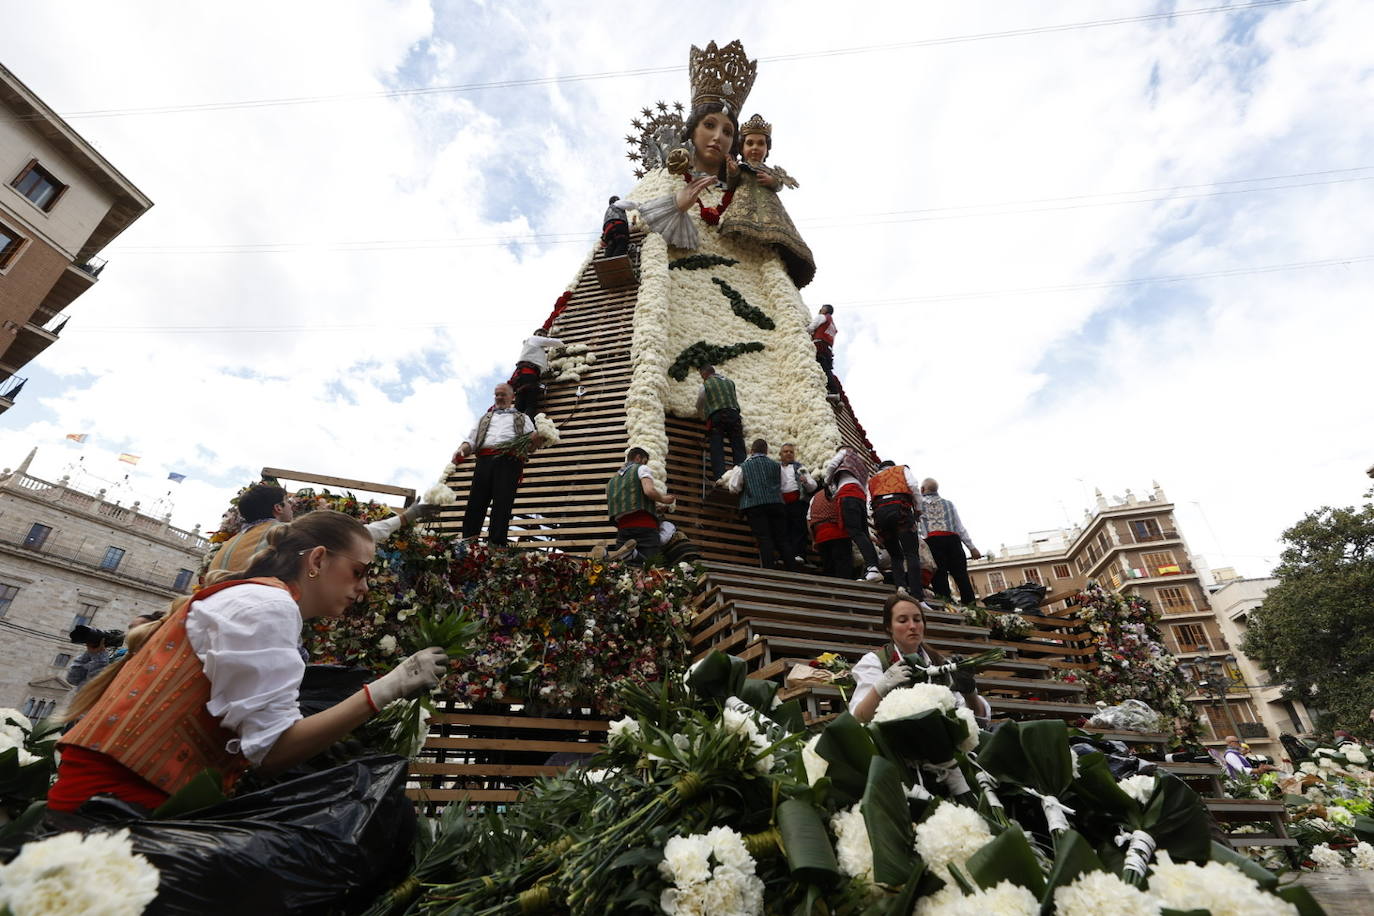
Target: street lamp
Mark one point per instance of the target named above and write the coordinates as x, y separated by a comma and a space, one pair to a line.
1214, 679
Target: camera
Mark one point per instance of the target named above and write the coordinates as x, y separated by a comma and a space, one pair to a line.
109, 639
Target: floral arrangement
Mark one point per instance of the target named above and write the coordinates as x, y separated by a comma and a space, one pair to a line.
1000, 626
781, 387
575, 362
543, 434
76, 874
548, 626
706, 800
1330, 806
841, 672
1131, 662
27, 766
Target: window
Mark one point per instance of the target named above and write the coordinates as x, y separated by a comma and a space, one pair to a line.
183, 579
1175, 599
39, 185
1189, 636
10, 243
7, 593
80, 620
37, 536
1102, 541
1082, 564
1146, 530
1159, 564
89, 610
112, 557
62, 660
996, 581
1061, 571
1033, 575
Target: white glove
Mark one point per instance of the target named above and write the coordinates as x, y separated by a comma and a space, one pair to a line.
419, 672
896, 676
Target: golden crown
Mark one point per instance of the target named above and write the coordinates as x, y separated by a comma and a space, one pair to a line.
721, 75
756, 125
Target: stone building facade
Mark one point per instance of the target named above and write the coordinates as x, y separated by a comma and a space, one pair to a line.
68, 557
61, 203
1133, 545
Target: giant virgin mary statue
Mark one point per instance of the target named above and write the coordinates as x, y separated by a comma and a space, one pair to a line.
707, 297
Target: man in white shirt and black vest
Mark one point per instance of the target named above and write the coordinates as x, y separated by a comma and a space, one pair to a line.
759, 484
497, 472
797, 485
633, 499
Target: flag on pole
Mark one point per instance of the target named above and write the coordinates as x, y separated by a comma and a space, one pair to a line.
175, 477
77, 437
127, 458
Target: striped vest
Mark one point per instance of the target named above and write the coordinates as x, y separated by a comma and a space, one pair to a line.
152, 718
720, 394
625, 494
851, 463
762, 482
234, 554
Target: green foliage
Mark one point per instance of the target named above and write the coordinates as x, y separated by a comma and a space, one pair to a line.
700, 262
1315, 631
741, 307
703, 354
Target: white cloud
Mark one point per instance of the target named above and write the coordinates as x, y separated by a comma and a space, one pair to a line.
1238, 392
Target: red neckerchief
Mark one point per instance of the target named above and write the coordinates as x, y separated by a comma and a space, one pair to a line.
711, 215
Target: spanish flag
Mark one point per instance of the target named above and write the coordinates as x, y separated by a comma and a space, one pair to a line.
1170, 570
77, 437
127, 458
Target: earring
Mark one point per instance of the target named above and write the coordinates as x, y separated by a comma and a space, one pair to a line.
313, 573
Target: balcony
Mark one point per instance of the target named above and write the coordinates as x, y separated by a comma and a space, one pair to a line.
74, 281
9, 390
29, 341
1252, 730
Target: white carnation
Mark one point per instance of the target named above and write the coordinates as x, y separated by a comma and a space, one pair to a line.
1364, 856
440, 495
1006, 899
623, 730
914, 700
1139, 787
1356, 755
1327, 859
1098, 893
387, 644
686, 860
816, 765
1308, 767
852, 848
1340, 815
544, 427
966, 716
950, 835
72, 874
15, 717
1222, 889
729, 849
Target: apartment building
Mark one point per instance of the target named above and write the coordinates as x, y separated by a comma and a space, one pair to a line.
68, 557
1133, 545
61, 203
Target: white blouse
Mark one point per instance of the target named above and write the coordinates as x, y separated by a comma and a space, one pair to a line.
869, 669
246, 639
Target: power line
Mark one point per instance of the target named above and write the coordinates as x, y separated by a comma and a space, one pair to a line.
647, 71
964, 211
875, 303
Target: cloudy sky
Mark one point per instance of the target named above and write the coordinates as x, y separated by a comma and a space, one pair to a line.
1071, 245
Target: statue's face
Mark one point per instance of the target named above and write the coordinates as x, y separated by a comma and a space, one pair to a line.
712, 139
755, 148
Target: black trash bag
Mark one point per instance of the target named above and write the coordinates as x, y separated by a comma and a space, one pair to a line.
1121, 764
327, 842
324, 686
1019, 598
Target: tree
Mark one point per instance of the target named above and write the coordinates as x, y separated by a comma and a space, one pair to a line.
1315, 629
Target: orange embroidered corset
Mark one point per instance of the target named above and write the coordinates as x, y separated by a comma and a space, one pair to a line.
152, 717
889, 482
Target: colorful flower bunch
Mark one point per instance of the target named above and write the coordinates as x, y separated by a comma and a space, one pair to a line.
1131, 662
550, 627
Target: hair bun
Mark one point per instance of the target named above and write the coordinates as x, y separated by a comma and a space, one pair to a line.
275, 536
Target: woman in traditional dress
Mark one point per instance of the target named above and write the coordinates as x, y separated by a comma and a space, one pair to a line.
710, 298
214, 683
879, 673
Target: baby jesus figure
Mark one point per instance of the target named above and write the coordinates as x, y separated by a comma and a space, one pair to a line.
756, 214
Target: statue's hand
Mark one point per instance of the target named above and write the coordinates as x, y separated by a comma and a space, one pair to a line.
767, 180
688, 195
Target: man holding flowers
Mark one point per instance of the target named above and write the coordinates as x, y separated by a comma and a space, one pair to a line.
500, 462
